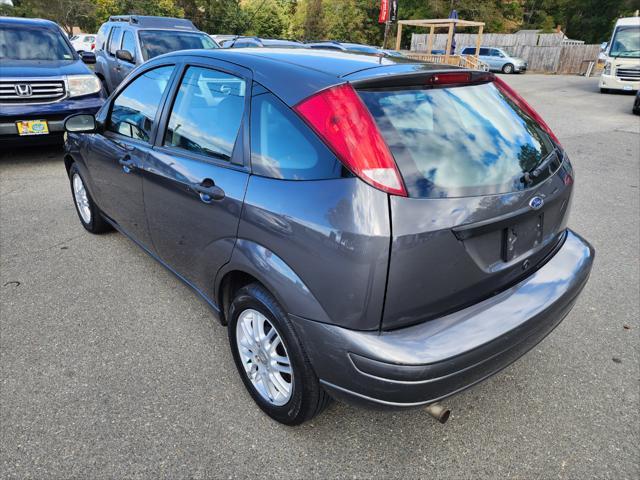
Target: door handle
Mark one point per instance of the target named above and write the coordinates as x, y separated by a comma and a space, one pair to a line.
208, 190
128, 165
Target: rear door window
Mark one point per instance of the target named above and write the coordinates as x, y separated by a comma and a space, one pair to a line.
207, 113
283, 147
134, 110
114, 40
460, 141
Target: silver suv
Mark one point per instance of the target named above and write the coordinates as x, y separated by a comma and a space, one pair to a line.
498, 60
126, 41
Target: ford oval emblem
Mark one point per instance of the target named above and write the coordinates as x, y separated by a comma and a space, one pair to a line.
536, 203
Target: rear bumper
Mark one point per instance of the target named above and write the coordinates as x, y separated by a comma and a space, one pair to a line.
424, 363
53, 113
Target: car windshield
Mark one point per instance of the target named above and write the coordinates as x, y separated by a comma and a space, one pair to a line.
22, 42
460, 141
626, 42
158, 42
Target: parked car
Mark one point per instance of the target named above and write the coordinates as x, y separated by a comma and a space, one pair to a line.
354, 47
622, 67
126, 41
344, 47
369, 229
498, 60
219, 39
84, 43
248, 42
636, 103
42, 81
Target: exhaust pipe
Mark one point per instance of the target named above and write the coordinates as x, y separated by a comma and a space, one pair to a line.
438, 412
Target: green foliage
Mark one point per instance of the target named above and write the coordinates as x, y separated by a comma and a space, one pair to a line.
349, 20
343, 20
265, 18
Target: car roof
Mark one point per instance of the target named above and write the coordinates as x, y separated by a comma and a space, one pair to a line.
36, 22
313, 70
627, 21
148, 21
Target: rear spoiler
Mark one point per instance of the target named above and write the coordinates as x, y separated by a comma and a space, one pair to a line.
421, 78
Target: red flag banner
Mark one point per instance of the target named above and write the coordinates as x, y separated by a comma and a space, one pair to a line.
384, 11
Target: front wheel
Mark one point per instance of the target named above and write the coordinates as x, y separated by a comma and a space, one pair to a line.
270, 358
605, 90
508, 68
87, 210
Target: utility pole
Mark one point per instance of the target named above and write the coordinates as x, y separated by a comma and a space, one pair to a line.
387, 26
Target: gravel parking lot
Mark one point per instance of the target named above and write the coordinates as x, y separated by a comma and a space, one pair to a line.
112, 368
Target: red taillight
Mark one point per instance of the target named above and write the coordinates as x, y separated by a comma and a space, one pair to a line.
340, 118
522, 103
93, 46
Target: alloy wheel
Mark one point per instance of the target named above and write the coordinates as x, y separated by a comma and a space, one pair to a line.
81, 198
264, 357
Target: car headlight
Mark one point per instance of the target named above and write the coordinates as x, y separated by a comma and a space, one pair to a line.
607, 68
83, 85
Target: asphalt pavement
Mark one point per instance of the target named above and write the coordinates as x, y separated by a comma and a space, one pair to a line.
112, 368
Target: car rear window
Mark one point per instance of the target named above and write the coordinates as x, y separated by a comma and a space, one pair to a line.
459, 141
158, 42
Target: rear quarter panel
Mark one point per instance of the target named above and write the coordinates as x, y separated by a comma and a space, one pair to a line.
334, 237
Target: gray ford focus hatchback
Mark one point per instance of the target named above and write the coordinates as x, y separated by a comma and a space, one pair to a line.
370, 229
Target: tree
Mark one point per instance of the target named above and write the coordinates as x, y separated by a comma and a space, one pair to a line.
66, 13
265, 18
343, 20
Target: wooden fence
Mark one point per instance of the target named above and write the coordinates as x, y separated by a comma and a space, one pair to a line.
546, 52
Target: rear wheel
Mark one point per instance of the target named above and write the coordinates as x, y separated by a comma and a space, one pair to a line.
507, 68
270, 358
88, 212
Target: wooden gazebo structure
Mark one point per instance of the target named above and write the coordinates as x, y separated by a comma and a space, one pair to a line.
469, 61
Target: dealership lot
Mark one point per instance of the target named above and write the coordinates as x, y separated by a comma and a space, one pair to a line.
110, 367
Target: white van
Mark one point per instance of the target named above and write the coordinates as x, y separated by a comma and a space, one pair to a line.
622, 67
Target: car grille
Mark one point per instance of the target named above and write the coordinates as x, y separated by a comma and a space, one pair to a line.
31, 91
628, 73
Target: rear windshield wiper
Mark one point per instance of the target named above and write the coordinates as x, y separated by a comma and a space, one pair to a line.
530, 175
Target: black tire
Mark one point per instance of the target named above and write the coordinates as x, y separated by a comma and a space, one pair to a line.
605, 90
308, 398
507, 68
97, 223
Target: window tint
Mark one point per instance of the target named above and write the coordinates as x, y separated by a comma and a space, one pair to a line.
460, 141
18, 42
495, 53
114, 40
207, 112
129, 43
135, 108
282, 146
157, 42
484, 51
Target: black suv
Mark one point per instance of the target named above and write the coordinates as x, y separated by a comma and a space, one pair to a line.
129, 40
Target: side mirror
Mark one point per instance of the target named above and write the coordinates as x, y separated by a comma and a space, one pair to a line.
80, 123
603, 46
124, 55
88, 57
